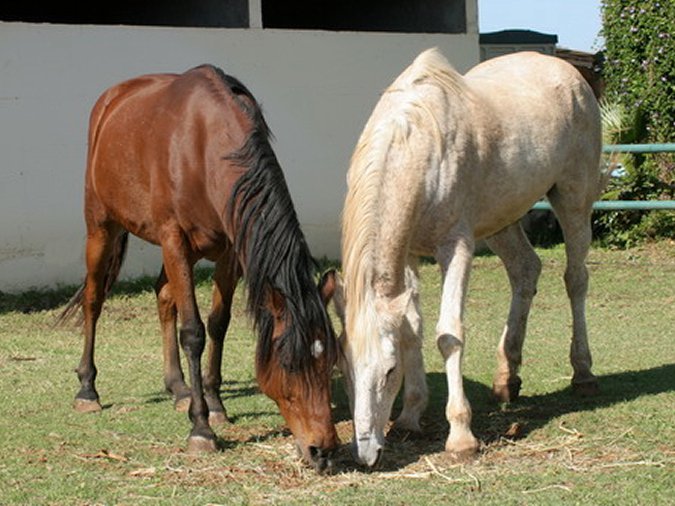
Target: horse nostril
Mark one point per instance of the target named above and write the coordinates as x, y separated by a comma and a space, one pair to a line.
321, 459
378, 458
315, 452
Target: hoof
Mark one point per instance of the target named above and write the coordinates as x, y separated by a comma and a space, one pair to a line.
462, 450
508, 392
218, 418
199, 444
587, 388
182, 405
87, 406
462, 456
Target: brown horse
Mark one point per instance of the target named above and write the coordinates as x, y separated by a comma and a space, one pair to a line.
184, 161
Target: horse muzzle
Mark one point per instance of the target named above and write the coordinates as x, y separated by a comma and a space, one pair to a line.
368, 451
321, 459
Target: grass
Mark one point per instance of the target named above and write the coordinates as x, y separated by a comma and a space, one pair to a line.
547, 448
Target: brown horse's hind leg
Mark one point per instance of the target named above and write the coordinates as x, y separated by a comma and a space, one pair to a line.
575, 221
100, 257
226, 276
174, 381
178, 267
523, 267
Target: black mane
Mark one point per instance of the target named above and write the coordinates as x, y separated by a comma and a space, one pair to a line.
273, 251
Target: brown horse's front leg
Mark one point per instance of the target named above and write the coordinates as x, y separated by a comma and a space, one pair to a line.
218, 322
178, 266
225, 282
192, 339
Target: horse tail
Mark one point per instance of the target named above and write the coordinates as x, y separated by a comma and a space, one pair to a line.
112, 271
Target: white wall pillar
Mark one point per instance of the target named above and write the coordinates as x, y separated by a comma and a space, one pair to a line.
255, 14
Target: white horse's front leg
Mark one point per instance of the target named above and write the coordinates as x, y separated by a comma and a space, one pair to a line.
455, 259
415, 391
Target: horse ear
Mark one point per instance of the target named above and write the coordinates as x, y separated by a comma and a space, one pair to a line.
277, 303
327, 286
332, 287
394, 310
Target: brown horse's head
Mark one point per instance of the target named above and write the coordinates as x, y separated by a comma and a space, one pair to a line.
296, 348
296, 374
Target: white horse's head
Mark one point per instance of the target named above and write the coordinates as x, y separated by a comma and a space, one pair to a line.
372, 368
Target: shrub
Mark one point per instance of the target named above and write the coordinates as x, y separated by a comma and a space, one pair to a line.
639, 72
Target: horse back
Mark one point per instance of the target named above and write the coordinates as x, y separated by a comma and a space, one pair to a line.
155, 142
474, 151
533, 94
538, 127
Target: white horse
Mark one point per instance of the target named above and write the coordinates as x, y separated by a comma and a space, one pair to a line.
445, 160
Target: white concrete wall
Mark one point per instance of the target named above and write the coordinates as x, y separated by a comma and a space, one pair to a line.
316, 88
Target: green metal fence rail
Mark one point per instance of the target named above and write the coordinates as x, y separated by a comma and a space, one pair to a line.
619, 205
639, 148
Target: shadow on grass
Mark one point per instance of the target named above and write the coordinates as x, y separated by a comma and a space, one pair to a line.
229, 390
34, 300
491, 421
533, 412
235, 389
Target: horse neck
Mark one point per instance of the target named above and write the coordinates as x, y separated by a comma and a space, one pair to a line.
402, 143
375, 237
267, 236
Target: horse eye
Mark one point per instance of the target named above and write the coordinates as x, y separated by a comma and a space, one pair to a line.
389, 372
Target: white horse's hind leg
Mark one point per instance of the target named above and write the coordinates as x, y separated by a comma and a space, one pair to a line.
523, 268
455, 260
576, 225
415, 392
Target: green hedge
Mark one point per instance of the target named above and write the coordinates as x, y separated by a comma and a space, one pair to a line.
639, 73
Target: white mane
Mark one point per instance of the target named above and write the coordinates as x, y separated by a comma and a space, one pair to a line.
403, 108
